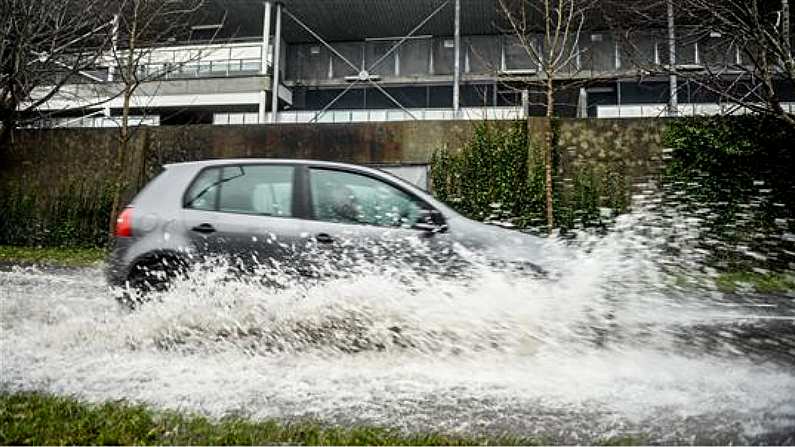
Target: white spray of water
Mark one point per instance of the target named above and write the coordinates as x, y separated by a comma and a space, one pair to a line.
600, 348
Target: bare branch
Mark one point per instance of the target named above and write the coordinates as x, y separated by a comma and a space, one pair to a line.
754, 30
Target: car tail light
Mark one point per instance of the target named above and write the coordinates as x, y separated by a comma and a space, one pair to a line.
124, 223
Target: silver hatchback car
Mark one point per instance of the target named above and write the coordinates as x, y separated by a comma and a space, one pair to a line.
278, 211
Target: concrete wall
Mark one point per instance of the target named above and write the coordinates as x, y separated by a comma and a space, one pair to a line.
48, 159
68, 172
634, 146
603, 162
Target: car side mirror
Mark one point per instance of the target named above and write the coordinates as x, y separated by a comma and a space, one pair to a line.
430, 221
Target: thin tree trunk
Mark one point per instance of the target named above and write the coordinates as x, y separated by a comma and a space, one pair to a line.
549, 142
6, 132
786, 33
785, 23
119, 171
789, 58
771, 96
9, 117
130, 84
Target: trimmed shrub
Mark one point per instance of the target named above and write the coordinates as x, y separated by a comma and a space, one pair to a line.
736, 175
496, 177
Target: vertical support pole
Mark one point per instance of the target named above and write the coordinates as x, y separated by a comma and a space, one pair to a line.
582, 104
786, 28
114, 40
266, 42
431, 61
277, 51
673, 101
266, 37
457, 64
618, 96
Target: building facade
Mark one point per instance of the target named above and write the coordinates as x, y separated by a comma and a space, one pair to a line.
343, 61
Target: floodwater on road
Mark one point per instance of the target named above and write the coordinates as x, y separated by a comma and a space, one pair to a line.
608, 346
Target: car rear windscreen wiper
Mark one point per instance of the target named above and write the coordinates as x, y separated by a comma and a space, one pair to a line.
213, 185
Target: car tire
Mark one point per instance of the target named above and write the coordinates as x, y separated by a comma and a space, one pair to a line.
151, 275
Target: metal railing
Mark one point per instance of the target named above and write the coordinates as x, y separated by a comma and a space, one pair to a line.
95, 120
395, 115
684, 109
208, 69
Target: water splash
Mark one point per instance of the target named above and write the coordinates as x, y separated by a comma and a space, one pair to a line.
612, 342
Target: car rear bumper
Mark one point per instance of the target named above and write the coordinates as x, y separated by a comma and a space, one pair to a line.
117, 265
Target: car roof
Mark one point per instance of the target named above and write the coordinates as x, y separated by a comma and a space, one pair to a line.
228, 161
200, 164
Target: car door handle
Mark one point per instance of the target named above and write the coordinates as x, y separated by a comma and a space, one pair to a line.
204, 229
324, 238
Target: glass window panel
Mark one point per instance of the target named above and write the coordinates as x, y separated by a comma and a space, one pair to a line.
517, 56
220, 67
353, 52
205, 68
484, 54
415, 57
202, 194
375, 51
262, 190
344, 197
251, 66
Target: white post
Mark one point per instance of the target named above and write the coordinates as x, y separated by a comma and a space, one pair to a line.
457, 63
582, 104
673, 101
266, 38
277, 51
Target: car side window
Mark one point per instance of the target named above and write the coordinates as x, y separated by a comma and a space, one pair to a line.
262, 190
345, 197
202, 193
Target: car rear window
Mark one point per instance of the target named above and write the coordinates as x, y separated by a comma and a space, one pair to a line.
203, 193
249, 189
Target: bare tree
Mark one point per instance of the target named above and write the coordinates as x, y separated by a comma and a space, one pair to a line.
745, 56
45, 44
140, 27
550, 32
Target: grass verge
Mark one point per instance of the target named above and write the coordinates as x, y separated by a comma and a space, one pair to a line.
62, 257
38, 419
772, 283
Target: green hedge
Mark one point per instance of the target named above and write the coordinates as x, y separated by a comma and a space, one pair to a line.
74, 218
493, 178
499, 176
738, 174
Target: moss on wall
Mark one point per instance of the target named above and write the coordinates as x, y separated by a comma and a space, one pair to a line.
601, 163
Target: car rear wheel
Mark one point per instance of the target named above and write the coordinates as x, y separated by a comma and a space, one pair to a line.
151, 275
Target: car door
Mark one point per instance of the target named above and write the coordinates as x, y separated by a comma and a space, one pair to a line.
245, 213
356, 216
